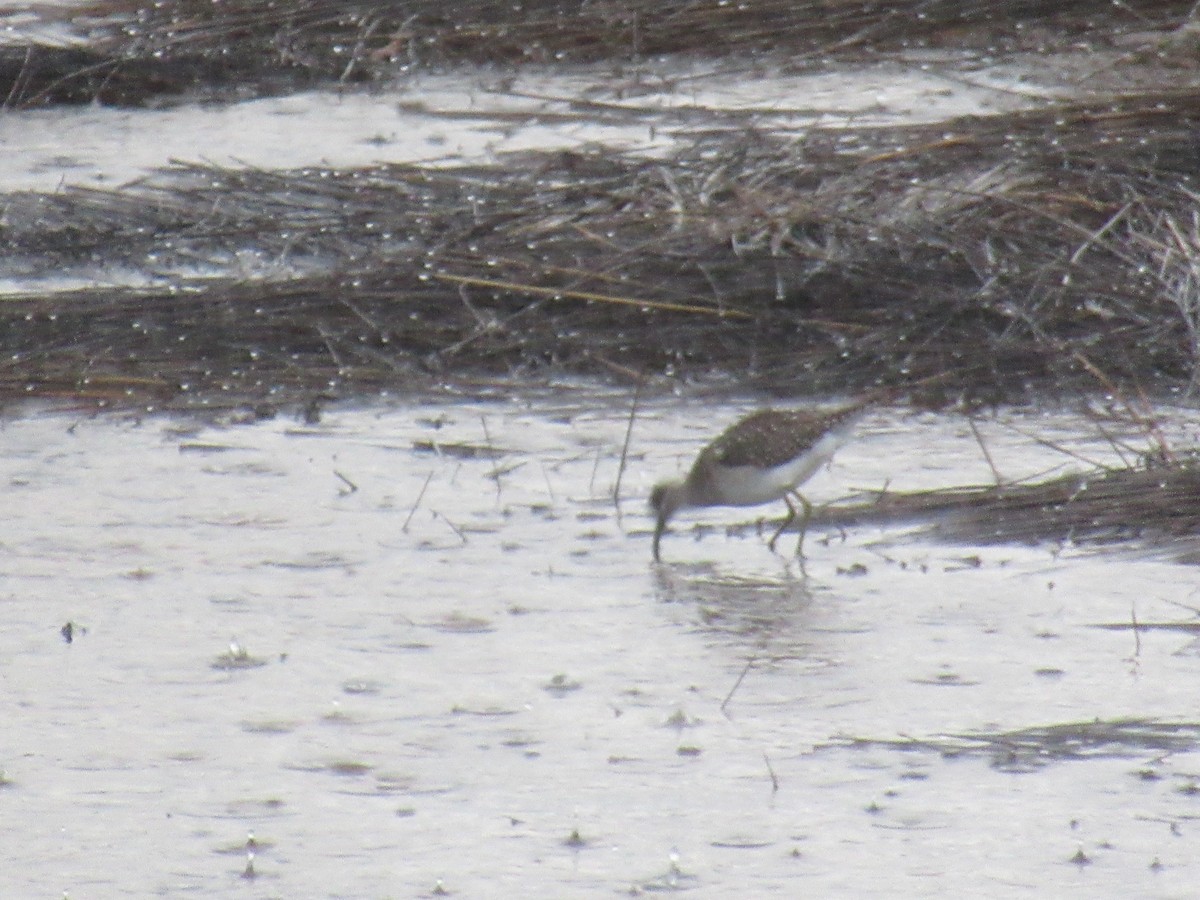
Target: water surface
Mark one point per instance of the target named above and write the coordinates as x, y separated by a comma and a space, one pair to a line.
416, 645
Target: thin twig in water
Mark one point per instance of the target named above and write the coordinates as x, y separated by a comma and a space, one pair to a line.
1055, 446
487, 442
1143, 417
1195, 610
412, 512
746, 671
1116, 446
1151, 424
458, 531
350, 486
595, 469
549, 486
633, 405
771, 772
986, 453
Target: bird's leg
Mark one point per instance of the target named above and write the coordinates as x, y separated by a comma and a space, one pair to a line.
803, 522
791, 517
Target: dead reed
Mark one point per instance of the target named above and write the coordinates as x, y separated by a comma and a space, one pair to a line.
1054, 250
143, 52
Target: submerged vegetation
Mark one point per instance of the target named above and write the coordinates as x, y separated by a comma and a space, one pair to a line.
1029, 749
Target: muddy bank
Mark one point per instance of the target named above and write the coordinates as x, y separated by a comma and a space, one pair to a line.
1043, 249
141, 53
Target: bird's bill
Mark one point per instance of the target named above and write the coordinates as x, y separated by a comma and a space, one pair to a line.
659, 528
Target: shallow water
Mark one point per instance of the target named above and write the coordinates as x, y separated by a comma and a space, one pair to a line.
470, 116
466, 672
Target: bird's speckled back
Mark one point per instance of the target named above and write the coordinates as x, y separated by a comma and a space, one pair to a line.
770, 438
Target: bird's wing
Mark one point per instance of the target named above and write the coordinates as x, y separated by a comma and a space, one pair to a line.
773, 437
